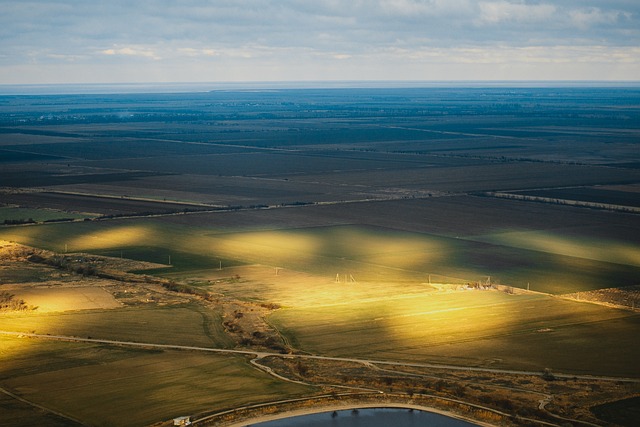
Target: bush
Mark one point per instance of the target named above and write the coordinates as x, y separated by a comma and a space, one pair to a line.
301, 369
8, 303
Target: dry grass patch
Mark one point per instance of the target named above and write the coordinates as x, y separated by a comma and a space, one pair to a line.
188, 324
68, 298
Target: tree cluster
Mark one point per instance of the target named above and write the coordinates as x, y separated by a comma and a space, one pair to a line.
19, 221
9, 303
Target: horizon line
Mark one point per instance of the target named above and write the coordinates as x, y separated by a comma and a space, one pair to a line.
104, 88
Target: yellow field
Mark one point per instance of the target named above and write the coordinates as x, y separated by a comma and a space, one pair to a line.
415, 322
66, 298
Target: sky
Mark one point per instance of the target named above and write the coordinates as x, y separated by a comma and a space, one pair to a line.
125, 41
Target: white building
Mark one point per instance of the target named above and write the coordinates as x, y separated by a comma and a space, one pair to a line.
182, 421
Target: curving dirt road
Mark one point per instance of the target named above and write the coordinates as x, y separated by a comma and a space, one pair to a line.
262, 354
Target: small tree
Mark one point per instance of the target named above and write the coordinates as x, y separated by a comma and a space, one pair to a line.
548, 375
301, 369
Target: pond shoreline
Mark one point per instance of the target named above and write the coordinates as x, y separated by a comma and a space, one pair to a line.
350, 406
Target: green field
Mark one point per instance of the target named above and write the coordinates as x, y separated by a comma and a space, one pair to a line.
37, 215
473, 328
105, 386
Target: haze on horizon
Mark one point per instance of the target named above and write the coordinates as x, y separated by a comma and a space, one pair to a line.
73, 41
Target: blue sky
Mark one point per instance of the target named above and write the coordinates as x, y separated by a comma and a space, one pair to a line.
116, 41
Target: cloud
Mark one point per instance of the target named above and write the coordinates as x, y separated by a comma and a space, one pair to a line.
589, 17
131, 51
503, 11
275, 36
193, 52
417, 8
501, 55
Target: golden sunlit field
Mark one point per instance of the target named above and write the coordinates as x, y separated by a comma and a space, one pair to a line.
55, 300
421, 321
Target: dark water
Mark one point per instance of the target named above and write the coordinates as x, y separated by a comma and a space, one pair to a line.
370, 417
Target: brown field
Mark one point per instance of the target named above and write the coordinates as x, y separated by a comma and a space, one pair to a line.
487, 177
222, 190
25, 139
95, 205
596, 195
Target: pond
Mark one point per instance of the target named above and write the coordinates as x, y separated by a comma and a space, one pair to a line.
369, 417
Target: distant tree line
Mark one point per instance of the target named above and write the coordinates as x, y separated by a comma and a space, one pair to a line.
19, 221
556, 201
150, 213
59, 220
24, 221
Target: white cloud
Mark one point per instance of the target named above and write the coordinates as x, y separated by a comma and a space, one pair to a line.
131, 51
418, 8
586, 18
589, 62
504, 54
503, 11
196, 52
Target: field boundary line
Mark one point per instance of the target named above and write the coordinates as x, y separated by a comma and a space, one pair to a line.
125, 198
566, 202
38, 406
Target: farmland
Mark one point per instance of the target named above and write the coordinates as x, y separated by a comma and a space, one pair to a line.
370, 224
149, 384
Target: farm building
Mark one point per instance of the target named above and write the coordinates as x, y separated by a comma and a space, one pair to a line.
182, 421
